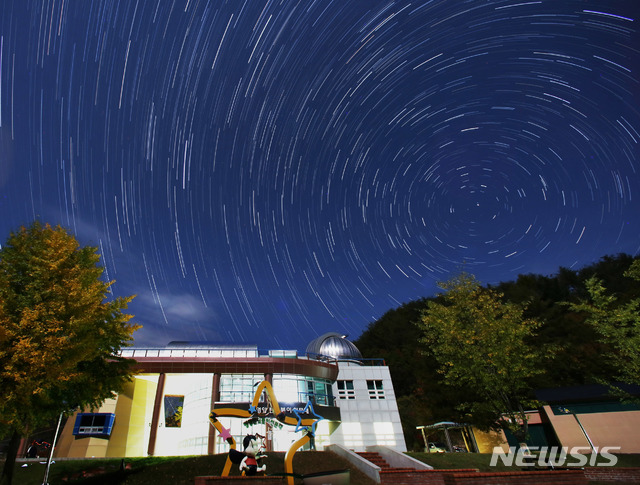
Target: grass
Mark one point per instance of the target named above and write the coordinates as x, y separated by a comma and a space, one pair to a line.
182, 470
172, 470
482, 461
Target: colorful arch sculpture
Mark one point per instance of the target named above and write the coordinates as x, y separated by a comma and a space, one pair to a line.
298, 421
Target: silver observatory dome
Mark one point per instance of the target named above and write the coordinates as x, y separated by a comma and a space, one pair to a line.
333, 345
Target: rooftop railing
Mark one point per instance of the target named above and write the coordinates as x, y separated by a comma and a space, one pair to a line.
236, 353
189, 352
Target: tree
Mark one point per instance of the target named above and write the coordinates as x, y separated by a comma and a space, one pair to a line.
60, 332
617, 322
421, 398
482, 348
575, 345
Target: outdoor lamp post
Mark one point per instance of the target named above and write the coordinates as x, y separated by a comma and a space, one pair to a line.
584, 431
53, 445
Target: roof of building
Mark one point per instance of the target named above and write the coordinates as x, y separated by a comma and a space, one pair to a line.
589, 392
207, 345
333, 345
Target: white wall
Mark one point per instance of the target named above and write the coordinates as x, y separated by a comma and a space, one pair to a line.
366, 421
192, 437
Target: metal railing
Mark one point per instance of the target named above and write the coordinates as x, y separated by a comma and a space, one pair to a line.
236, 353
189, 352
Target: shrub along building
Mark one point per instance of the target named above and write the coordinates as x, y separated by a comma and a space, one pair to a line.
165, 409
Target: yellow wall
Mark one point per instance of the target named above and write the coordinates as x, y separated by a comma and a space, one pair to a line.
486, 441
130, 434
65, 439
71, 447
118, 438
137, 424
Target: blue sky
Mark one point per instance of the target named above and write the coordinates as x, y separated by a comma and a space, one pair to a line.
264, 172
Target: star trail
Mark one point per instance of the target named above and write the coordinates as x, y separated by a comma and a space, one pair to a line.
266, 171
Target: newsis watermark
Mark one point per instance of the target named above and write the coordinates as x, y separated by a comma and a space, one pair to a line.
555, 456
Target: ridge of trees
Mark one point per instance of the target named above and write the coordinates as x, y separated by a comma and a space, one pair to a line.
579, 354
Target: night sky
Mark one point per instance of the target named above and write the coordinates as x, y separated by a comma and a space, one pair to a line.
267, 171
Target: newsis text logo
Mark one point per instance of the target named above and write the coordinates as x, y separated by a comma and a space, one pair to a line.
555, 456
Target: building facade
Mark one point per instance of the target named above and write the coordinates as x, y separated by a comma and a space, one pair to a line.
165, 410
587, 418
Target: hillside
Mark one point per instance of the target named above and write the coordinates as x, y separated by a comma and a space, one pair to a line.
577, 358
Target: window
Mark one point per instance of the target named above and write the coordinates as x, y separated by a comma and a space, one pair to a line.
285, 387
375, 389
285, 354
345, 390
310, 391
295, 388
94, 424
173, 411
239, 387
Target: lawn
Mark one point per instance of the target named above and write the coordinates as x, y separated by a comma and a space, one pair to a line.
182, 470
482, 461
171, 470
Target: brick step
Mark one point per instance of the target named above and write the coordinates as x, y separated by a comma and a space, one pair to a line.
403, 470
474, 477
369, 455
374, 458
401, 476
381, 464
400, 470
423, 477
412, 478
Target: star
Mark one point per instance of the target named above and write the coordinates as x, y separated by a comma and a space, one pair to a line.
225, 434
308, 408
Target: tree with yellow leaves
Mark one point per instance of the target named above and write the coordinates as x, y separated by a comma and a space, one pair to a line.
482, 348
60, 332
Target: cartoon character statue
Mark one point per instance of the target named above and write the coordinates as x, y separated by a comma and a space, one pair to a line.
249, 459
